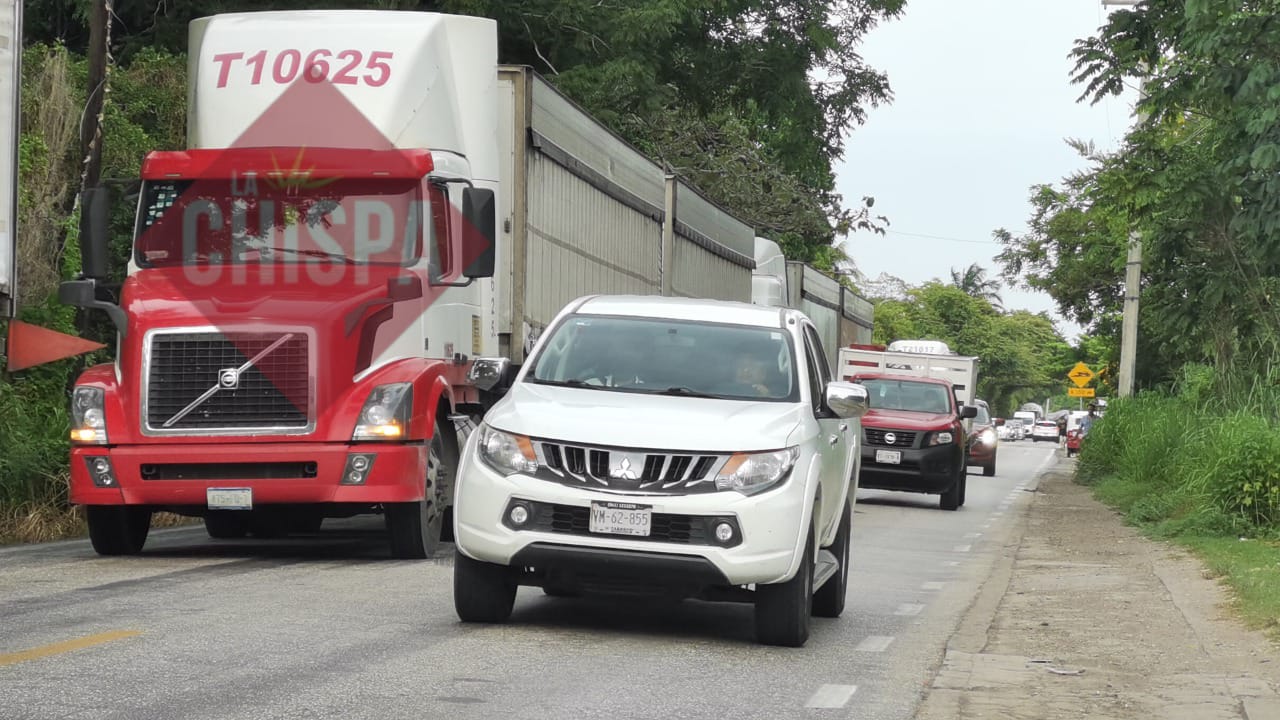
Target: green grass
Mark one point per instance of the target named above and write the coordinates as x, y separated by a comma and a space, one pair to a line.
1252, 570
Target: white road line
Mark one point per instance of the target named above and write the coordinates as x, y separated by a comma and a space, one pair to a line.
932, 586
875, 643
909, 609
962, 548
996, 514
987, 526
951, 563
968, 536
832, 696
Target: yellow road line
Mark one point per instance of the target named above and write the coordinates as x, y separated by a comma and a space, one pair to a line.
65, 646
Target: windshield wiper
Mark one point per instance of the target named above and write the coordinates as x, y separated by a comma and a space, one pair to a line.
311, 253
687, 392
572, 382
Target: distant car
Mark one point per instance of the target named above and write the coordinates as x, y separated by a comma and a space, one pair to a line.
1045, 430
984, 441
1017, 429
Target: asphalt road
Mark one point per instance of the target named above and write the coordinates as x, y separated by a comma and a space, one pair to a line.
327, 627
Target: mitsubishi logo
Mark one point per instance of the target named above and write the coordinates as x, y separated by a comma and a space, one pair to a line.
622, 471
890, 438
229, 379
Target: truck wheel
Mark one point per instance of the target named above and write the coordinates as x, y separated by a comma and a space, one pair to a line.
828, 602
226, 524
950, 499
118, 529
482, 592
783, 609
415, 528
990, 470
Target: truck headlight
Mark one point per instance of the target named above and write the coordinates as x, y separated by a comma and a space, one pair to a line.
750, 473
386, 413
941, 438
505, 452
88, 416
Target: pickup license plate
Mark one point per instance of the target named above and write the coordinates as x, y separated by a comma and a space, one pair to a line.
229, 498
614, 518
891, 457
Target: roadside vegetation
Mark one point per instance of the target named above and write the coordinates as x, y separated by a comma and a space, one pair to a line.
722, 93
1194, 457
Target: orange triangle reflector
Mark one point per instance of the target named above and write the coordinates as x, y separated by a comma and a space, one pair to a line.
31, 345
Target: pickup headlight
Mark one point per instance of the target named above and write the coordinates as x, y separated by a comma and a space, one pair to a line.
750, 473
507, 453
88, 416
941, 438
386, 413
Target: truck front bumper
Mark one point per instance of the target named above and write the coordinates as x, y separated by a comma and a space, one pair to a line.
923, 470
277, 473
681, 550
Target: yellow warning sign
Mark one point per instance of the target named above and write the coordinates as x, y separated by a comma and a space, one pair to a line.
1080, 392
1081, 375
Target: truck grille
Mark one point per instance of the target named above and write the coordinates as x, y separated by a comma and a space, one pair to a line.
573, 520
627, 470
271, 395
901, 438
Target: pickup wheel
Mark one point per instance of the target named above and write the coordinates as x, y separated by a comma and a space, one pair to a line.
415, 529
482, 592
951, 499
828, 602
990, 470
118, 529
964, 485
226, 524
783, 609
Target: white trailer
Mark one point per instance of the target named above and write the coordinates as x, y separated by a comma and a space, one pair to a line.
10, 86
961, 370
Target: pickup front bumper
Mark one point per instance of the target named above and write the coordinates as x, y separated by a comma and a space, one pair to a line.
922, 470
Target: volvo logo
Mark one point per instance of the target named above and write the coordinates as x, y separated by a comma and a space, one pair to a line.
229, 379
890, 438
622, 471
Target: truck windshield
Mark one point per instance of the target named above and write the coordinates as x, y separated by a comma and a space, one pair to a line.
907, 395
668, 357
224, 222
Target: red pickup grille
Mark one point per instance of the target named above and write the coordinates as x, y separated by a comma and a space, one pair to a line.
901, 438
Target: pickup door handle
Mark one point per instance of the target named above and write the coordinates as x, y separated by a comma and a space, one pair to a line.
844, 427
833, 439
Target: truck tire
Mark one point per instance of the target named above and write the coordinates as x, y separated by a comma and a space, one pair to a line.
415, 529
118, 529
950, 499
226, 524
783, 609
482, 592
828, 602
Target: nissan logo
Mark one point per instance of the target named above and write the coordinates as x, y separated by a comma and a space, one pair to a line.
890, 438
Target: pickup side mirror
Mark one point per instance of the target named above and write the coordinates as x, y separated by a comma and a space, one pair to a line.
968, 412
480, 215
999, 422
846, 399
488, 373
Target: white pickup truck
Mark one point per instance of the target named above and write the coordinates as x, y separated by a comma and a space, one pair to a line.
694, 448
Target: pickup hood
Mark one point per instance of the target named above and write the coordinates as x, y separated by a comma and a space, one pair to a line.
638, 421
906, 420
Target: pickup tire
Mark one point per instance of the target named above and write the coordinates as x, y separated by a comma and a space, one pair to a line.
415, 529
964, 485
118, 529
482, 592
989, 470
226, 524
783, 609
828, 602
952, 497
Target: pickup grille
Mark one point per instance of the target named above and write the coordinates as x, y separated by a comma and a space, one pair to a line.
627, 470
666, 527
269, 396
901, 438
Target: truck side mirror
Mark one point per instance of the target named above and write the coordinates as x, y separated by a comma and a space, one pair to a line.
480, 215
94, 205
968, 412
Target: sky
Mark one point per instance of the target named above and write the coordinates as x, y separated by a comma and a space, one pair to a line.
983, 104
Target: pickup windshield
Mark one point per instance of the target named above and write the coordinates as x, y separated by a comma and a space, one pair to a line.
668, 357
908, 395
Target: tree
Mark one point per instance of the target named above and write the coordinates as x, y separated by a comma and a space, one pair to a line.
973, 281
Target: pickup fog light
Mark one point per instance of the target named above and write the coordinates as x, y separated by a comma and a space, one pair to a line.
100, 471
507, 453
357, 470
88, 418
750, 473
386, 413
724, 532
941, 438
519, 515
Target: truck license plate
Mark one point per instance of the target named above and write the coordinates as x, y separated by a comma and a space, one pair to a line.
616, 518
891, 457
229, 498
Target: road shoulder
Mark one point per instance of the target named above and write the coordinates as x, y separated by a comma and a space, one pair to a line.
1083, 617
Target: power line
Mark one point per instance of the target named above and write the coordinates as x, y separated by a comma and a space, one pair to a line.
943, 237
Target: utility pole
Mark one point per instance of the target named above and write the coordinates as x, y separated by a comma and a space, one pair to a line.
1132, 282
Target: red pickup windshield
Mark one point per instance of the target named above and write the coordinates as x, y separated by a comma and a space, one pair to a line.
908, 395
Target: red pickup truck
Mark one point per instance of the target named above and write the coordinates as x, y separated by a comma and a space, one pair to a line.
914, 437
